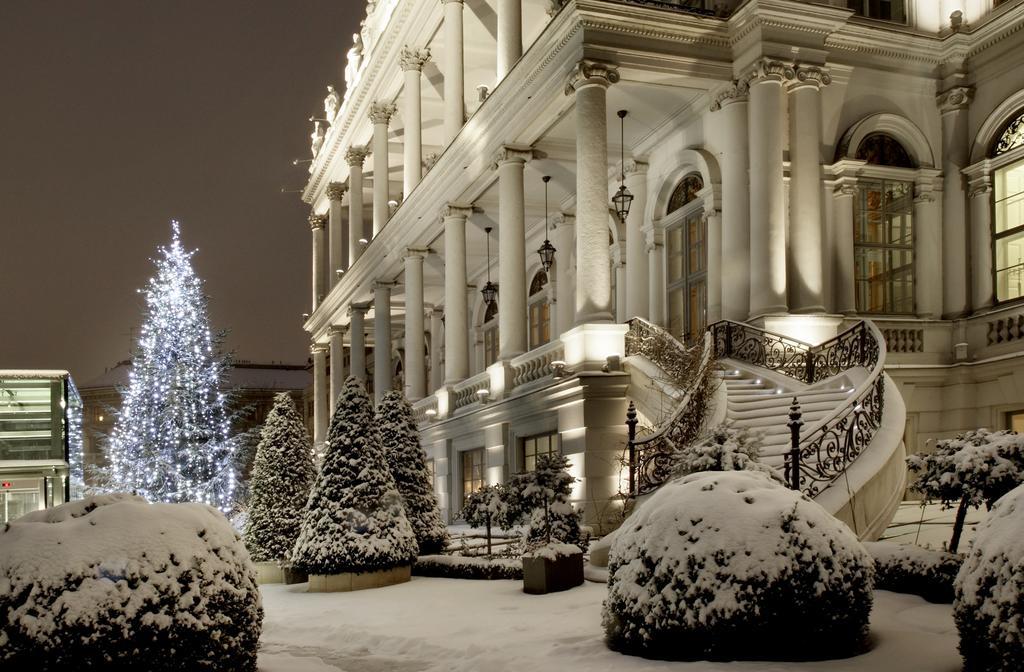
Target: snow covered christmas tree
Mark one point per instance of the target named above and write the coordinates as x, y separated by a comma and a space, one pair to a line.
282, 475
354, 521
170, 440
408, 465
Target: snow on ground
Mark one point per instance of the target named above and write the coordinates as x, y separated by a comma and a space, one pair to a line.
492, 626
930, 527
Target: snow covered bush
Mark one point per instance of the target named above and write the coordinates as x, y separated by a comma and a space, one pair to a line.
457, 567
724, 448
408, 465
283, 473
725, 565
975, 468
489, 507
989, 604
543, 496
113, 582
910, 569
354, 520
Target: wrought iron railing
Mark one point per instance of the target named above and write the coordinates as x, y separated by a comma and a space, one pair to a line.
649, 459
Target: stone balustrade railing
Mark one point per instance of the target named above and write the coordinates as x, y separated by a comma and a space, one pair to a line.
425, 409
536, 364
468, 391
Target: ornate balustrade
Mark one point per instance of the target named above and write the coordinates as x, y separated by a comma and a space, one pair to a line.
536, 364
424, 409
468, 391
690, 370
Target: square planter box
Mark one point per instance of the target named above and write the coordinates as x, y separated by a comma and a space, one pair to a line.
292, 575
541, 575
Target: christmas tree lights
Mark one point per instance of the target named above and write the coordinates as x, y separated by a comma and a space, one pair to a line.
170, 439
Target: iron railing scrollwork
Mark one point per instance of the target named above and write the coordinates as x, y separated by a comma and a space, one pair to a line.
649, 459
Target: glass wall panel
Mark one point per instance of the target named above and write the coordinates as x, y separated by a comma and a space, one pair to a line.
31, 419
884, 246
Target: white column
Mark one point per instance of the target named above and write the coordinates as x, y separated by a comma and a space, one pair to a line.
980, 195
336, 231
565, 272
843, 258
381, 339
806, 265
767, 130
357, 339
734, 268
620, 284
316, 225
713, 225
590, 81
456, 309
321, 412
338, 373
412, 61
637, 290
953, 105
656, 273
415, 343
929, 264
380, 116
436, 336
510, 162
510, 35
356, 228
454, 70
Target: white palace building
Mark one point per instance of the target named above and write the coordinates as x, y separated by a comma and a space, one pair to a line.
827, 203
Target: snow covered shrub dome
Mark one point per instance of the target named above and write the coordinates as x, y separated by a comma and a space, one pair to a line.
989, 603
115, 583
725, 565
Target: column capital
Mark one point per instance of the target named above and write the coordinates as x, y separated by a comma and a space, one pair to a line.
456, 210
416, 253
845, 186
768, 70
634, 167
562, 219
412, 58
736, 92
336, 190
316, 221
355, 155
318, 348
955, 99
810, 76
337, 329
589, 72
358, 308
384, 284
979, 186
381, 112
512, 154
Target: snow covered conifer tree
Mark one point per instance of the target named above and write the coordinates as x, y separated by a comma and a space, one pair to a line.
408, 465
282, 475
354, 520
544, 492
170, 440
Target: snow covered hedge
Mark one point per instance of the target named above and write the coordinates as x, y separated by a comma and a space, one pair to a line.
725, 565
903, 568
456, 567
114, 583
989, 605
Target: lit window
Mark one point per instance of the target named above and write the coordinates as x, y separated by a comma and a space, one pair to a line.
540, 311
883, 238
1008, 223
472, 471
687, 260
1015, 421
536, 446
883, 10
490, 334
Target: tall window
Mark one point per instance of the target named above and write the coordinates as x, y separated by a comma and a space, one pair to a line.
490, 333
540, 311
883, 239
1008, 223
883, 10
687, 257
536, 446
472, 471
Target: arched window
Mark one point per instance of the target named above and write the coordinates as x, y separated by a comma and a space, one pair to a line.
490, 333
1008, 219
883, 230
686, 234
540, 311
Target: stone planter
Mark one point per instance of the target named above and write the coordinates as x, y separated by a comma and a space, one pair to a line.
292, 575
269, 572
349, 581
546, 575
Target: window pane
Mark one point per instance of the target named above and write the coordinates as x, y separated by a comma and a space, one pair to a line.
472, 471
674, 253
675, 310
884, 246
1009, 185
535, 446
1010, 266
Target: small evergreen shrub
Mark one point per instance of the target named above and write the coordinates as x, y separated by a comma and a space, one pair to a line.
918, 571
283, 473
726, 565
354, 520
408, 465
456, 567
724, 448
115, 583
490, 507
542, 496
989, 603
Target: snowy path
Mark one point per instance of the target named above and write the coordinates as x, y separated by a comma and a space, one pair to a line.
491, 626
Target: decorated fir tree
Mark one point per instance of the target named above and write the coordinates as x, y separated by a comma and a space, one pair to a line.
282, 475
408, 465
170, 439
354, 520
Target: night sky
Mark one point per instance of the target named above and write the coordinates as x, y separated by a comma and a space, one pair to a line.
117, 116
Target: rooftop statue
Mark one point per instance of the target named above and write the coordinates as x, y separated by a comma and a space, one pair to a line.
317, 137
331, 103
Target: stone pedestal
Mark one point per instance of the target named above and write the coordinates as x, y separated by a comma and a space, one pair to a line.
349, 581
543, 575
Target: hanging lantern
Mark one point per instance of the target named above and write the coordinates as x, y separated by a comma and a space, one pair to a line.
547, 250
622, 198
490, 290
